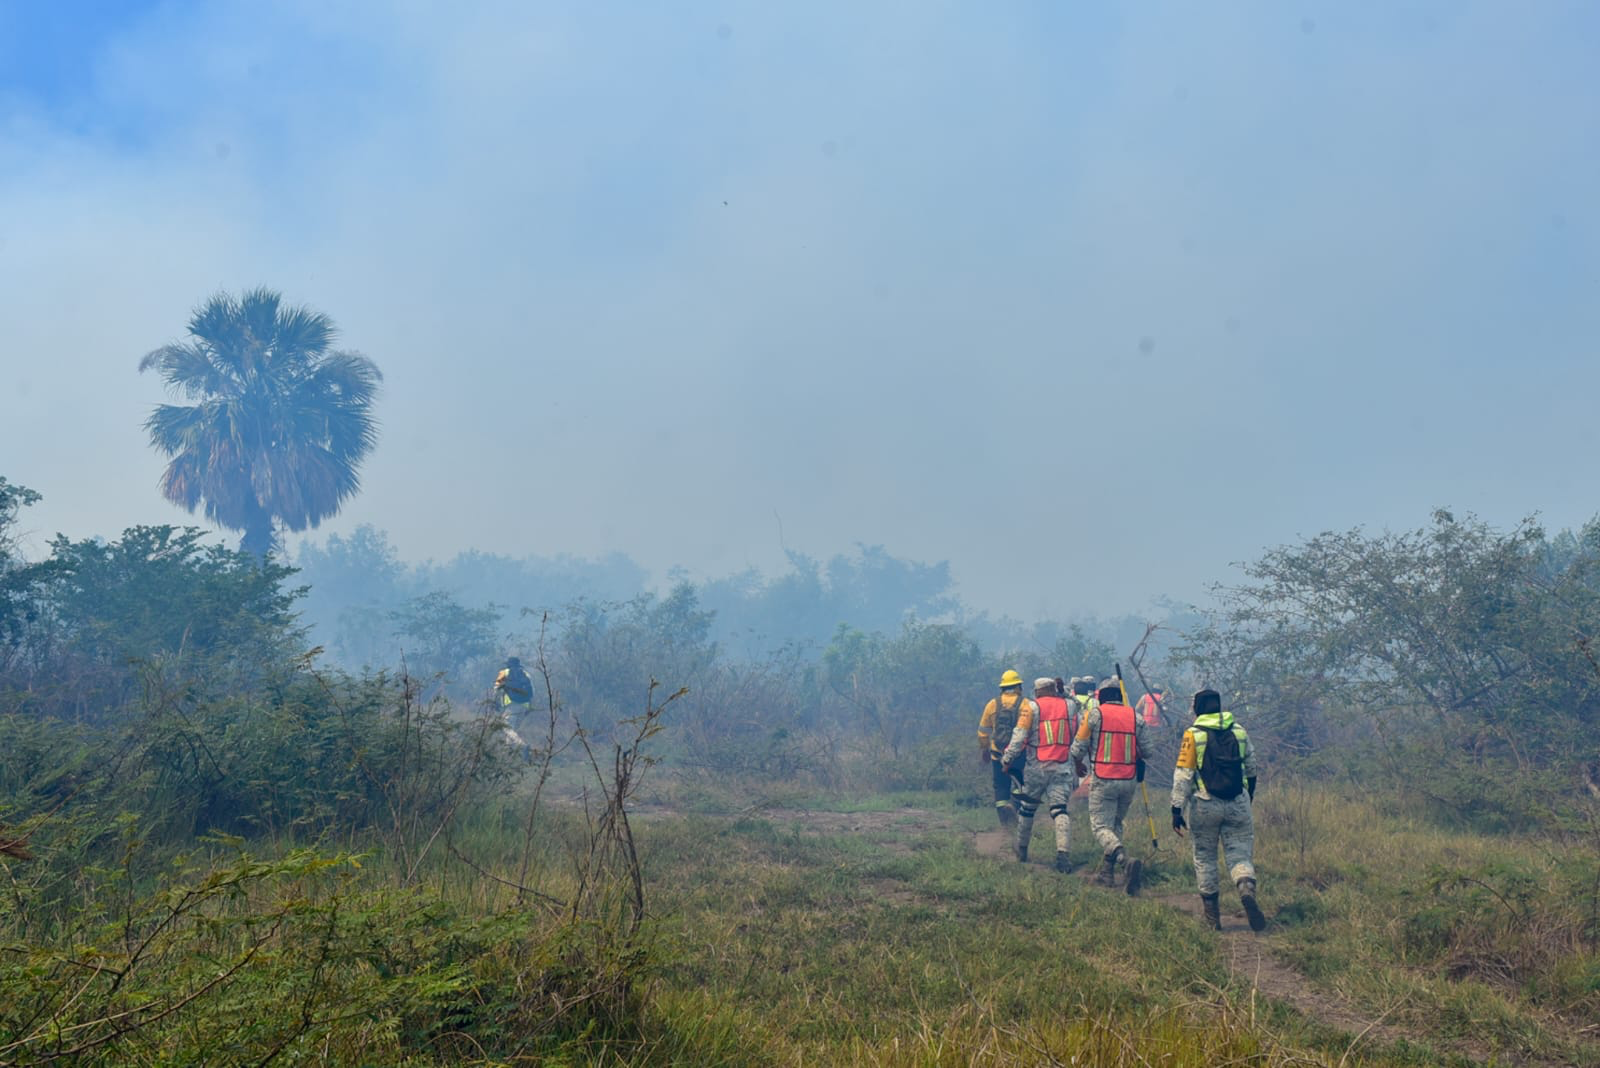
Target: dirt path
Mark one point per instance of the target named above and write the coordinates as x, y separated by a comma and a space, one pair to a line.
1249, 958
1248, 955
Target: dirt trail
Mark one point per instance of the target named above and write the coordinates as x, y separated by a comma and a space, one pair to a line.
1250, 958
1249, 955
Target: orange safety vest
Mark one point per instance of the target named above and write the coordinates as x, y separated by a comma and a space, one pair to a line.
1150, 710
1055, 728
1119, 746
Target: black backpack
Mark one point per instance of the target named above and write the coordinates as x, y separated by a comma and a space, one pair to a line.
1222, 766
519, 686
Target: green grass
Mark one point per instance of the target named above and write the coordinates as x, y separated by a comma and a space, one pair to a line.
865, 932
845, 941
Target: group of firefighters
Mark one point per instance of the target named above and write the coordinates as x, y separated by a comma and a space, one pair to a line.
1083, 730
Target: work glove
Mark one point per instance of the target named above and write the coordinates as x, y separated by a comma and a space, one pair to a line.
1083, 772
1177, 820
1138, 770
1250, 784
985, 755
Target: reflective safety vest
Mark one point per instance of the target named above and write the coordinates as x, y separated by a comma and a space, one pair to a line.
1214, 721
1118, 747
1150, 710
1056, 728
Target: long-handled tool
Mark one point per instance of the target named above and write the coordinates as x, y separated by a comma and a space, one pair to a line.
1144, 791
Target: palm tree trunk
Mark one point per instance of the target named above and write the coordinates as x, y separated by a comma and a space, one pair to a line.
259, 537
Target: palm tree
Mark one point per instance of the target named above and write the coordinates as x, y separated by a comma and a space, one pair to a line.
279, 422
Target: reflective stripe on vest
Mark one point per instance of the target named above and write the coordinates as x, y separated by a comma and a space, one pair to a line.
1214, 723
1118, 749
1055, 728
1150, 711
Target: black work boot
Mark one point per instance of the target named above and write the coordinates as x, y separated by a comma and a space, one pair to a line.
1135, 877
1022, 850
1007, 814
1063, 862
1252, 911
1107, 875
1213, 914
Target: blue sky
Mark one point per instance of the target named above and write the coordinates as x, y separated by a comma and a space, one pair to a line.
1089, 300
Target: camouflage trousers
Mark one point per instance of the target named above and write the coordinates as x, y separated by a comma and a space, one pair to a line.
1109, 800
1233, 824
1052, 784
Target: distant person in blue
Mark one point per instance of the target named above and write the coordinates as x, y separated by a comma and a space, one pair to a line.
513, 689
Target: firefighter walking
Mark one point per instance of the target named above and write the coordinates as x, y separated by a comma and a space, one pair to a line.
1006, 722
1111, 735
1216, 780
1054, 778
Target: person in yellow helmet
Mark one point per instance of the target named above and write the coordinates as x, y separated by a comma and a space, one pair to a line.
1006, 723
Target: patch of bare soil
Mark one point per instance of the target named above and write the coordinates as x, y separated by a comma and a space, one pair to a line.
893, 829
1001, 845
997, 843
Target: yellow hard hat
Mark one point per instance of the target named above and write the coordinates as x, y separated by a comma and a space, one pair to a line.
1010, 678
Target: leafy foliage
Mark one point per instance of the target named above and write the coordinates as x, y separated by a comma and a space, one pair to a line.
904, 689
607, 656
1465, 651
95, 611
439, 634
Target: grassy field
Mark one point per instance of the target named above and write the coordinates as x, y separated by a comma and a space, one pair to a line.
869, 929
869, 934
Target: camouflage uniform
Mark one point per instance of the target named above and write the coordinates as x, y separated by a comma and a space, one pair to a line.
1051, 782
1213, 819
1109, 798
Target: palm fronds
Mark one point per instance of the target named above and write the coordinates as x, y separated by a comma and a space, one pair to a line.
280, 424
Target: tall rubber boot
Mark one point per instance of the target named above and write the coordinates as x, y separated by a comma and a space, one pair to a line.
1252, 911
1135, 877
1213, 914
1007, 814
1024, 836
